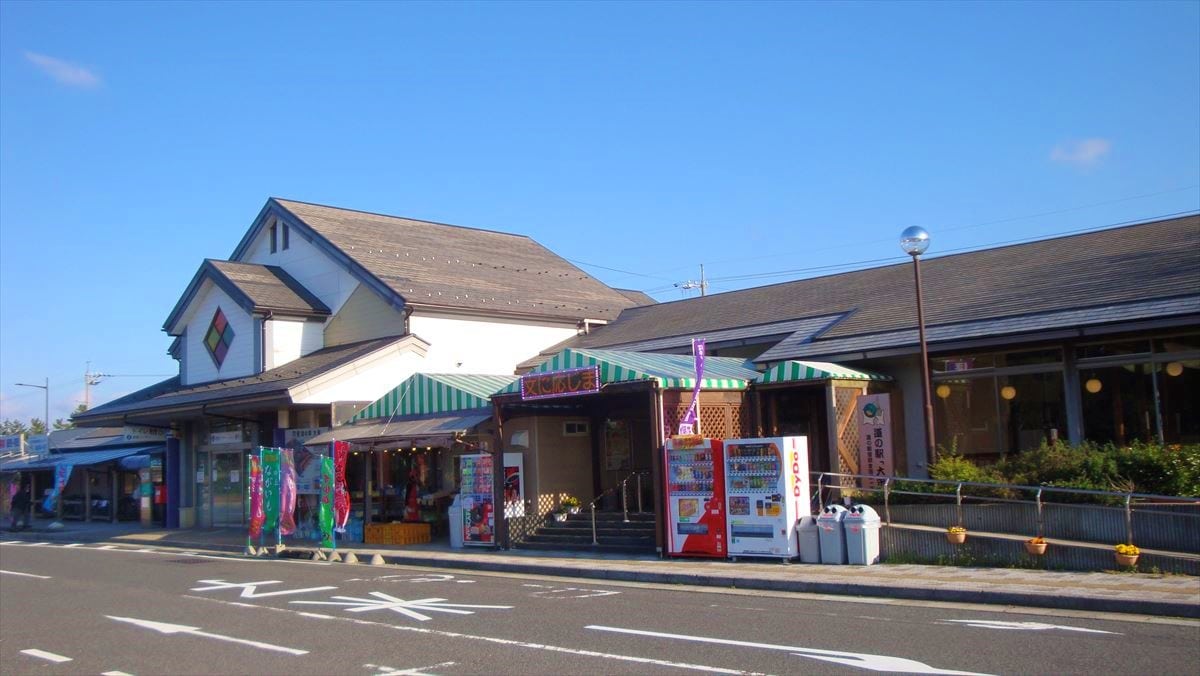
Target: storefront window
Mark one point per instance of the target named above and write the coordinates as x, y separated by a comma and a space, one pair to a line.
1113, 349
964, 414
1032, 410
1178, 384
1118, 403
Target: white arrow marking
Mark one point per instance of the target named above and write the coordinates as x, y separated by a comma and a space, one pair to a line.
249, 589
34, 652
860, 660
1027, 626
408, 608
169, 629
415, 671
13, 572
115, 673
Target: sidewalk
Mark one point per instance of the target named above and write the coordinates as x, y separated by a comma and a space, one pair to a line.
1139, 593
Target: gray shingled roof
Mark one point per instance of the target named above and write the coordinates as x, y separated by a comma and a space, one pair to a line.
431, 264
270, 287
170, 394
1136, 263
638, 297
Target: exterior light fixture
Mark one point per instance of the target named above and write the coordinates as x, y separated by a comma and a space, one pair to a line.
1008, 392
914, 241
1174, 369
1093, 385
943, 391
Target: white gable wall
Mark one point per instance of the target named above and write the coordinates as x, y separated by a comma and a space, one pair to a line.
287, 339
366, 379
315, 270
362, 317
479, 345
240, 360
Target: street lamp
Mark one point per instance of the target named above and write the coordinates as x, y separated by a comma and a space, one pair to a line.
914, 241
46, 422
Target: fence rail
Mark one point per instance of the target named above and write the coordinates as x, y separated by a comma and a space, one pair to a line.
1165, 522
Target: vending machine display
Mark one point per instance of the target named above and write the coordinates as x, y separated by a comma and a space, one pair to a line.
477, 499
695, 492
766, 489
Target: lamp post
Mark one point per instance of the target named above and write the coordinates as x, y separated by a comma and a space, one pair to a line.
46, 422
914, 241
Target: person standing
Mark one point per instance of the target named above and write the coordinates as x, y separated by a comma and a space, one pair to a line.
19, 507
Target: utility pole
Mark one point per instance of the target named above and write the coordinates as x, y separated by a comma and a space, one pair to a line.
90, 379
693, 284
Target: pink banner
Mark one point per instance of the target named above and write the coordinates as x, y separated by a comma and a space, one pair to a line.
341, 498
287, 492
257, 515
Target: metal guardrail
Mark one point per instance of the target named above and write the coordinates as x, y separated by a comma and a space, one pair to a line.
624, 488
869, 483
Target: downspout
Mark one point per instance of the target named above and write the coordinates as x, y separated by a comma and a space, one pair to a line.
498, 506
656, 465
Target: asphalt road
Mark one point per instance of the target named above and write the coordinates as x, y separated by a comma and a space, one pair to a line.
90, 610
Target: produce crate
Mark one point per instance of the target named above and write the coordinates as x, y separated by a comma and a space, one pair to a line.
396, 534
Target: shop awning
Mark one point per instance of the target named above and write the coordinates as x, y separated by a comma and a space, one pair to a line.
401, 430
672, 371
80, 459
432, 393
800, 371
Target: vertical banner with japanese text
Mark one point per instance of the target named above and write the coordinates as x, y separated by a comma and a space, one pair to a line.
257, 515
691, 419
325, 514
875, 435
270, 472
287, 492
341, 497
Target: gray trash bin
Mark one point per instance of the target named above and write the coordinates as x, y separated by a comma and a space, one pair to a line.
810, 540
862, 535
831, 533
456, 524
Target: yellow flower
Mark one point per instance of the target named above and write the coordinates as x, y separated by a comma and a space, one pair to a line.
1039, 540
956, 529
1128, 550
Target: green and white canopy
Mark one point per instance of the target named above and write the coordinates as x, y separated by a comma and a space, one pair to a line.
671, 371
799, 371
432, 393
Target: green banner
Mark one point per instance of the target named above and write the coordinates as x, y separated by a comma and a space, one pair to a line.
326, 513
270, 470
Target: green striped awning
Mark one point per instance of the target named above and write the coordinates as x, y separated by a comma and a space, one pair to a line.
672, 371
795, 371
428, 393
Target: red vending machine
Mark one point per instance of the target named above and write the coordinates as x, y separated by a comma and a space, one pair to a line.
694, 471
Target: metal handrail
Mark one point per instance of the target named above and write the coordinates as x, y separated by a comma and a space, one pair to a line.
624, 500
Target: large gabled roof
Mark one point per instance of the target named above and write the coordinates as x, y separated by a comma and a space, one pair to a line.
420, 263
1060, 277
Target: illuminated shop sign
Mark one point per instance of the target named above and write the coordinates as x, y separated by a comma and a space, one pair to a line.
567, 383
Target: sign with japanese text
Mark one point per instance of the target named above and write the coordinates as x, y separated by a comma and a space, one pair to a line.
565, 383
875, 435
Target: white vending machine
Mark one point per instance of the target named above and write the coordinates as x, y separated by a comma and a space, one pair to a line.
766, 493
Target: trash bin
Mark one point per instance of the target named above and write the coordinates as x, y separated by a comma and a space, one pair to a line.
831, 533
810, 540
862, 535
455, 514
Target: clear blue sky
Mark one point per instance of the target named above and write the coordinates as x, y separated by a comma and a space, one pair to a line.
137, 139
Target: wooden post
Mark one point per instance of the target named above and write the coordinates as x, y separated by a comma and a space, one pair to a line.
366, 489
500, 535
87, 495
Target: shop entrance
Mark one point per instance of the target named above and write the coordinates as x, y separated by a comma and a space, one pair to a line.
799, 411
223, 493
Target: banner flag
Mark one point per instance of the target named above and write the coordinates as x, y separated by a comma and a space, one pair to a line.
270, 472
62, 472
325, 518
341, 497
257, 516
287, 492
691, 419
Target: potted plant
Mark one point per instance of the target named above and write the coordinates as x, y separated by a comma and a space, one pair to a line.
559, 514
571, 503
956, 535
1036, 546
1127, 555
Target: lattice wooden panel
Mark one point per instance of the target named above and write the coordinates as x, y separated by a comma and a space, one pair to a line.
714, 421
847, 430
739, 418
671, 417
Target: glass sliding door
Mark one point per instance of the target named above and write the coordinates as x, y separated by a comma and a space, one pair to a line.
228, 483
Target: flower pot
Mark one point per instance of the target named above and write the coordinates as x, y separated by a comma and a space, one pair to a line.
1036, 548
560, 516
573, 510
956, 538
1127, 560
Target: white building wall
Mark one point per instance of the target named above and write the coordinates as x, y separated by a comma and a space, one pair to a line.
484, 346
365, 381
240, 359
362, 317
315, 270
288, 339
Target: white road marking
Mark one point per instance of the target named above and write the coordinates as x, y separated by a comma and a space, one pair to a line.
509, 642
115, 673
407, 608
1026, 626
550, 592
860, 660
107, 547
13, 572
34, 652
414, 671
11, 542
36, 544
249, 589
431, 577
74, 544
166, 628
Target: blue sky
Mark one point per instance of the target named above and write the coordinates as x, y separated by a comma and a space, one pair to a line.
137, 139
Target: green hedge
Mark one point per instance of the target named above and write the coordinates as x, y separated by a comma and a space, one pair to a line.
1138, 468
